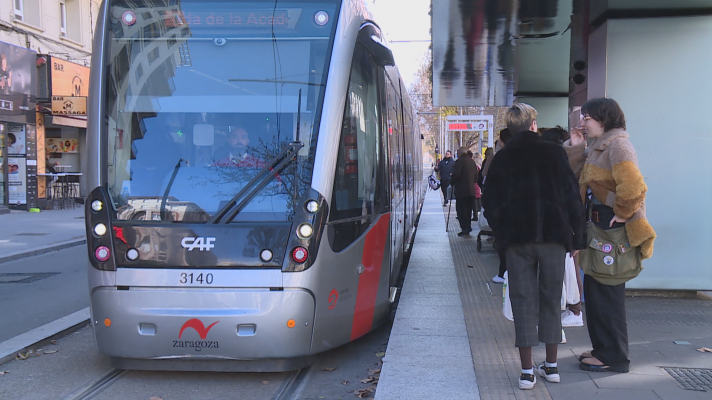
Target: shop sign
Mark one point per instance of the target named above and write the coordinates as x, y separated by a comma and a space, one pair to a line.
69, 79
69, 105
18, 75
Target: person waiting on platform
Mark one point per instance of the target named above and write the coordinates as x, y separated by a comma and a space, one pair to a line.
445, 169
532, 204
614, 190
464, 179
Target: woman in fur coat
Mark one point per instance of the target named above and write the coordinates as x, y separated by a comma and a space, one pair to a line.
613, 185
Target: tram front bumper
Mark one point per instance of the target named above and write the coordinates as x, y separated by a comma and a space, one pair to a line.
230, 324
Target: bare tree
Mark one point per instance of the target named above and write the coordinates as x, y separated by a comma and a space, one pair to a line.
421, 93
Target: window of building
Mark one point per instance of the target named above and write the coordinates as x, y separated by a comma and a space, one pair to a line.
63, 19
28, 11
74, 25
19, 10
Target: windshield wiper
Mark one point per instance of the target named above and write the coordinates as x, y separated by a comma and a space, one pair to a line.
265, 176
163, 214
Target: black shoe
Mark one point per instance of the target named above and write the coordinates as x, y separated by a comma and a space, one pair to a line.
463, 233
474, 219
444, 204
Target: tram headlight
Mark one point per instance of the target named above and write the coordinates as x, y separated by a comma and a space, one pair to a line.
300, 255
97, 205
266, 255
132, 254
312, 206
100, 229
321, 18
305, 231
102, 253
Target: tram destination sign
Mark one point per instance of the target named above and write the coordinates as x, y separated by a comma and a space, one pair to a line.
69, 105
230, 19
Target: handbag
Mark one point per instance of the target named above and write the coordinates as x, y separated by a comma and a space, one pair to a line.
609, 257
433, 182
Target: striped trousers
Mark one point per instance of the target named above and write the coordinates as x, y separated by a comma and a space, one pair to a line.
536, 277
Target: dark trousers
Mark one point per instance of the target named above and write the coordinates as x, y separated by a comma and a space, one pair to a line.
536, 277
605, 310
444, 184
606, 322
502, 253
463, 206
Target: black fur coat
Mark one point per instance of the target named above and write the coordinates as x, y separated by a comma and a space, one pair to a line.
532, 196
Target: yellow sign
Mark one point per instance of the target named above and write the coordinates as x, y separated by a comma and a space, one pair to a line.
68, 105
69, 79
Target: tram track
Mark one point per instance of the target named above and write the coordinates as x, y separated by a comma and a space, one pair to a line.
293, 385
290, 389
97, 385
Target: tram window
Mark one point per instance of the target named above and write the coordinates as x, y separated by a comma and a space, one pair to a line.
356, 177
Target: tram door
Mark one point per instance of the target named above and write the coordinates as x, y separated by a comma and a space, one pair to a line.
397, 172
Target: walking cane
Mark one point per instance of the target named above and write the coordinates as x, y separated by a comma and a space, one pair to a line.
449, 207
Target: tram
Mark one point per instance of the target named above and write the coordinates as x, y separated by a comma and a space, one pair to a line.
257, 175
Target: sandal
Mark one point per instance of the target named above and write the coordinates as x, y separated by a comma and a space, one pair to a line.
586, 354
599, 368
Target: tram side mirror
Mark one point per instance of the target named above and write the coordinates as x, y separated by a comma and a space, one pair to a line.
382, 55
203, 134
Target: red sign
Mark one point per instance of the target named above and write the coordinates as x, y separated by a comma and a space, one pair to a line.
460, 126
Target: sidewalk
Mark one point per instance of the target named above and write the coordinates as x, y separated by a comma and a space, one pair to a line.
24, 234
427, 358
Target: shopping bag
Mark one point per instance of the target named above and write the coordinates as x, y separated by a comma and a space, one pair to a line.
482, 222
572, 290
506, 302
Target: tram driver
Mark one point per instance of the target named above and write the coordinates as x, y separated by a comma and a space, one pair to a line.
235, 154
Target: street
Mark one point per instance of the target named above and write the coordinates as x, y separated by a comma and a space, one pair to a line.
40, 289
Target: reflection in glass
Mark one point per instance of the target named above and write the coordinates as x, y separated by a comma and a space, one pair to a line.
202, 95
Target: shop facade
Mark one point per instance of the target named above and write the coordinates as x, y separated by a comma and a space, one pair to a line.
18, 134
61, 121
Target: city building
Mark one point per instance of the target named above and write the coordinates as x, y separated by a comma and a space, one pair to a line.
45, 49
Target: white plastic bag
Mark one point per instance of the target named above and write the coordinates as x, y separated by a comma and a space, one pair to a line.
571, 293
507, 303
482, 222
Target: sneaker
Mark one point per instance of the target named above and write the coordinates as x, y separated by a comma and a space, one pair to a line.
527, 381
563, 336
497, 279
568, 319
464, 233
551, 374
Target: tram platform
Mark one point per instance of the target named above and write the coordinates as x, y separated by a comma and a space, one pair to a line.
450, 339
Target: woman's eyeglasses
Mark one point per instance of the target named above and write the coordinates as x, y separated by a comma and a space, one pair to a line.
586, 118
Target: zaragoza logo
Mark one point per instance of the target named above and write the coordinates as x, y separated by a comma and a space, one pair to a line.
198, 326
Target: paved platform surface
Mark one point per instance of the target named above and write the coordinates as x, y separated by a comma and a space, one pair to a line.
24, 234
427, 357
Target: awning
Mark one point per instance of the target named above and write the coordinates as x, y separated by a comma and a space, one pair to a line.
77, 122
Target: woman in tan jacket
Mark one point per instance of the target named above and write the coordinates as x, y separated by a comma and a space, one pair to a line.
612, 185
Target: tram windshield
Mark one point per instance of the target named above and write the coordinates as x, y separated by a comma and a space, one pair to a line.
202, 95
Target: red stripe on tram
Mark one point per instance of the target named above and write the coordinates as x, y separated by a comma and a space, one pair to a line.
373, 251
